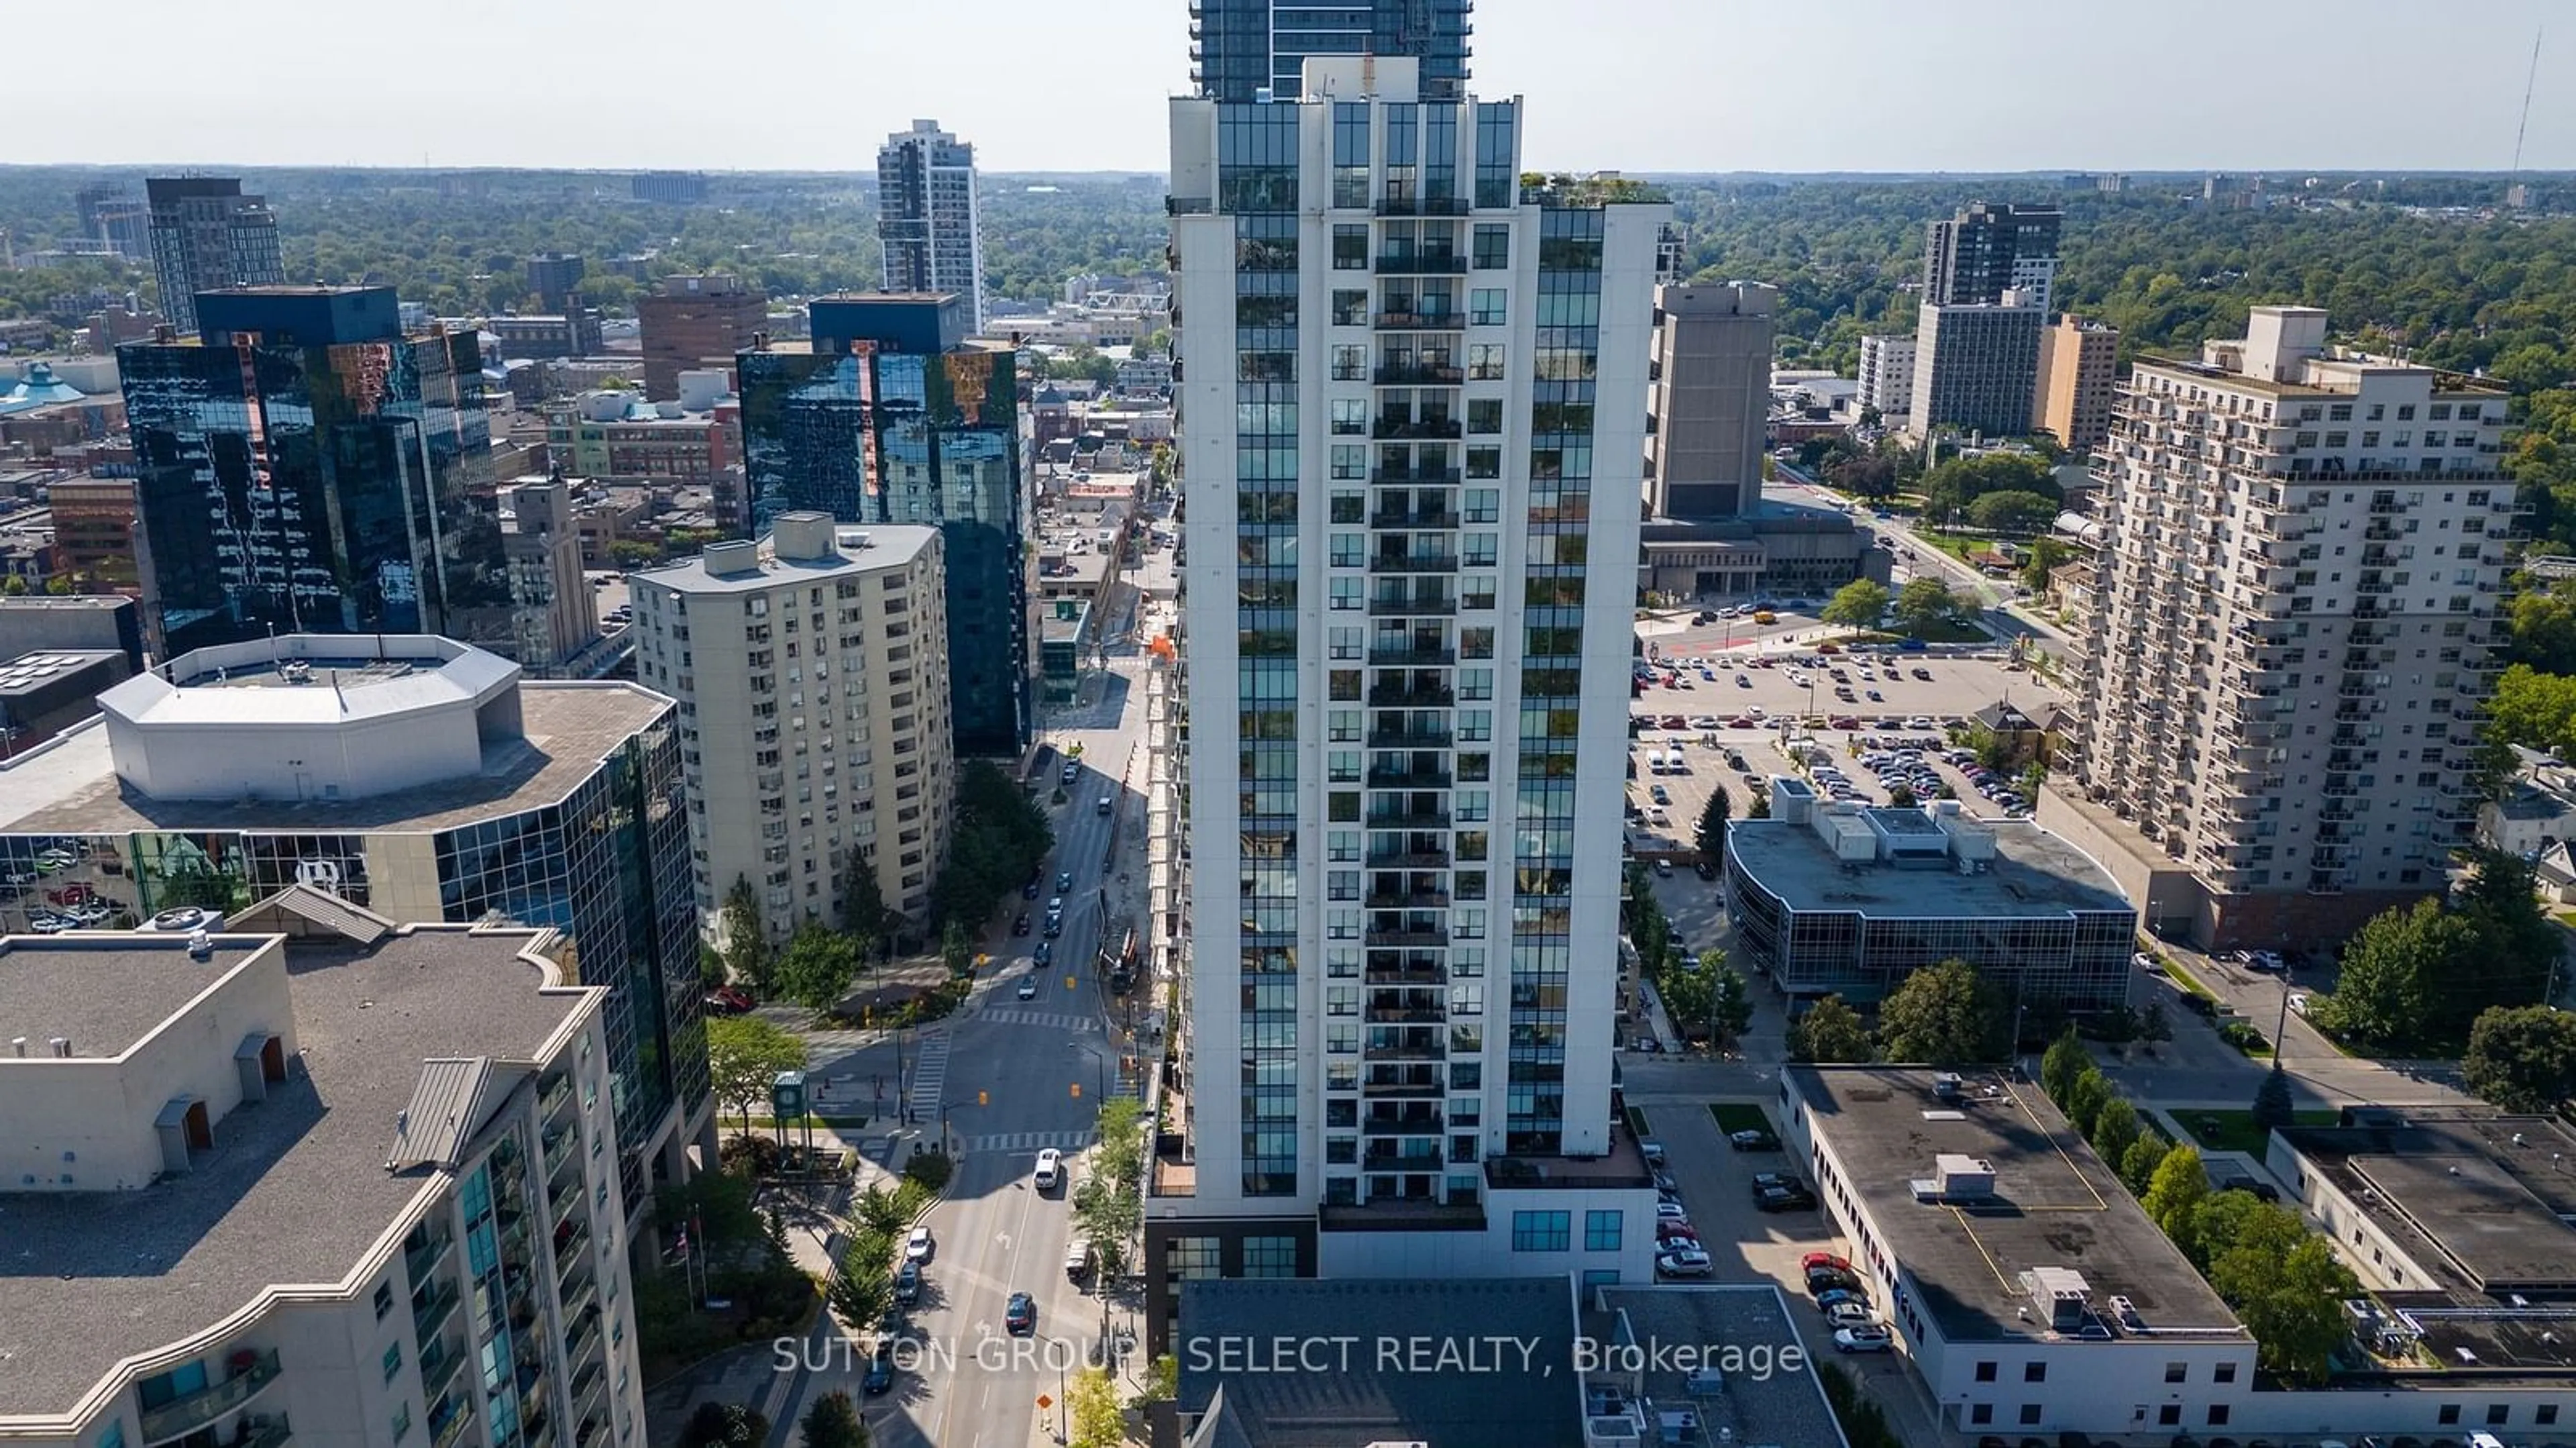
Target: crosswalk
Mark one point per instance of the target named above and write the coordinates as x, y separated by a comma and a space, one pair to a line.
1072, 1025
929, 1073
1027, 1141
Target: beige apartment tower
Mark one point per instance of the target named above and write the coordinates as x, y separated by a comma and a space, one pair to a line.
310, 1177
811, 668
2078, 361
2293, 634
1708, 395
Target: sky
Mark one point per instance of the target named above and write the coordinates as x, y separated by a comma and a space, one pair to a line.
1079, 85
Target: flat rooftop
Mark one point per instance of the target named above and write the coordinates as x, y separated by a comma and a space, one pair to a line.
1385, 1391
2033, 873
2054, 1205
48, 992
1774, 1407
2490, 1194
889, 545
70, 787
88, 1281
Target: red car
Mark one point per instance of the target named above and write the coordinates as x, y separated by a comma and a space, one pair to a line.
1671, 1228
1827, 1261
728, 1000
74, 894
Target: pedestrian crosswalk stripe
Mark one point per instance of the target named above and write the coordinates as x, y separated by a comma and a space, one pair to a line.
929, 1072
1009, 1017
1028, 1141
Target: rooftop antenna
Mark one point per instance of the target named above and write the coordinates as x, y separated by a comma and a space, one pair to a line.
2513, 195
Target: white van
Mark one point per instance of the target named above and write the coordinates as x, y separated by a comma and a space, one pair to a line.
1676, 762
1077, 1259
1655, 762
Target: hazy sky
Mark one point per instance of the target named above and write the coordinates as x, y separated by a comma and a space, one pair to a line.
1641, 85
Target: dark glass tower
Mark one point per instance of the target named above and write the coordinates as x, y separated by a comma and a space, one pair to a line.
891, 416
303, 467
1240, 48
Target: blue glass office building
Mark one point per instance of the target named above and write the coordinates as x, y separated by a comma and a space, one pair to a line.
1241, 48
890, 415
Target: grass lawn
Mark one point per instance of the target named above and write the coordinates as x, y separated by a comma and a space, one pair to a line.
1637, 1121
1734, 1116
2236, 1131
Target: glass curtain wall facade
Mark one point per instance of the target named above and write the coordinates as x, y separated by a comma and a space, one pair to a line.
876, 436
317, 489
1238, 48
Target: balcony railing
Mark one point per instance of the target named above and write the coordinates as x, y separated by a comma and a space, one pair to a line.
1413, 563
427, 1317
1401, 1088
1446, 320
1432, 776
1409, 736
251, 1373
1427, 1125
1416, 934
1418, 477
1425, 375
419, 1262
1422, 264
1388, 427
1406, 975
1401, 1051
439, 1367
1412, 655
1408, 859
1419, 817
1413, 605
1396, 696
1426, 519
1408, 900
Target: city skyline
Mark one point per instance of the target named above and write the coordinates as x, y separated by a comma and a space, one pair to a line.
1634, 88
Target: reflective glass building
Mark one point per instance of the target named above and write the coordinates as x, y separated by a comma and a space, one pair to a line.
304, 467
1240, 48
889, 415
419, 779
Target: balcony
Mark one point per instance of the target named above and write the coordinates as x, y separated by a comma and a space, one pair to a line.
1408, 736
552, 1097
1422, 264
1420, 477
1413, 563
1413, 1085
1425, 519
1417, 855
438, 1367
1409, 817
1415, 696
1425, 375
1413, 605
444, 1433
1417, 776
269, 1431
1406, 900
427, 1317
1406, 1015
572, 1255
1413, 655
1411, 933
1394, 427
1419, 1123
251, 1373
1410, 205
419, 1262
1437, 321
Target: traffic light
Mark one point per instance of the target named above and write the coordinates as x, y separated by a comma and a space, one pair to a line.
983, 1098
1077, 1090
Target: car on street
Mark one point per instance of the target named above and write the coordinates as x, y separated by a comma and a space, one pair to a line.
1704, 870
1861, 1339
1054, 925
1044, 953
907, 1283
919, 1246
1072, 771
1105, 805
2143, 961
1670, 1211
1687, 1263
1063, 886
1029, 891
1753, 1139
1660, 795
880, 1375
1021, 925
1020, 1315
1050, 1172
1029, 986
728, 1000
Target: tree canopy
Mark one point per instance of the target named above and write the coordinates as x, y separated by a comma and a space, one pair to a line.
744, 1056
2417, 976
1856, 605
2522, 1058
1946, 1015
1830, 1031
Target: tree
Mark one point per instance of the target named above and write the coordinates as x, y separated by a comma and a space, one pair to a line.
863, 907
2175, 1193
2086, 1099
1760, 809
1092, 1411
1923, 604
2115, 1130
1109, 1214
2154, 1026
1944, 1015
1856, 605
725, 1425
818, 968
2064, 1060
1872, 477
957, 949
833, 1422
880, 1211
1162, 1383
1956, 485
2534, 710
1690, 1000
1900, 795
2384, 994
2522, 1058
2516, 945
1711, 835
2045, 555
2014, 514
2272, 1105
747, 953
1830, 1031
1730, 1010
2138, 1165
863, 1289
2287, 1288
744, 1056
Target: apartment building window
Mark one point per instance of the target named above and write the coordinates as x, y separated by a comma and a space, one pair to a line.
1350, 247
1980, 1414
1350, 364
2177, 1372
1542, 1231
1602, 1230
2035, 1372
1485, 306
2497, 1413
1350, 416
1986, 1371
2169, 1415
1350, 461
1493, 247
115, 1436
2029, 1414
1484, 414
393, 1362
2218, 1415
384, 1299
1485, 362
1269, 1256
1350, 308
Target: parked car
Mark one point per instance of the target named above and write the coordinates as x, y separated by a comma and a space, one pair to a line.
1821, 1280
1814, 1260
1063, 885
1688, 1263
1753, 1139
727, 1000
1669, 1229
919, 1246
1021, 925
1670, 1211
1848, 1314
1861, 1339
1841, 1296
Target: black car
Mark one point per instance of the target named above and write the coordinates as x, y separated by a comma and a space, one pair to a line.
2263, 1191
1029, 891
1020, 1315
1704, 870
1063, 882
1054, 926
1784, 1199
1822, 1280
907, 1283
880, 1376
1021, 925
1045, 952
1753, 1139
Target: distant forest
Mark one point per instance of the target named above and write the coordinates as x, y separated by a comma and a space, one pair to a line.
2424, 265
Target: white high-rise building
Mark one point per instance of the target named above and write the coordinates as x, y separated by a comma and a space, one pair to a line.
1887, 374
811, 668
927, 222
1412, 395
2293, 633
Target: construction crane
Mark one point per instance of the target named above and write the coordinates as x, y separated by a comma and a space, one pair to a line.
2514, 196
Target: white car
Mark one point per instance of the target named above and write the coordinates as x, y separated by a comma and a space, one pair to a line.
1849, 1314
1050, 1169
1670, 1211
1861, 1339
1688, 1262
918, 1246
